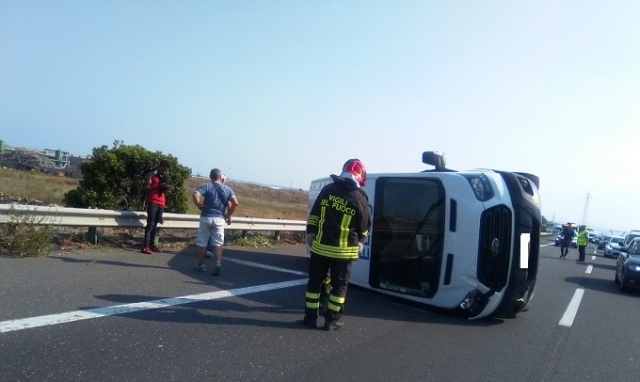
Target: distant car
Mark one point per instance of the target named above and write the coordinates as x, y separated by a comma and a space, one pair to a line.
629, 237
613, 246
628, 266
603, 241
558, 240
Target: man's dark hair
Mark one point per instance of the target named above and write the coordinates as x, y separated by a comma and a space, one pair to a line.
165, 163
215, 174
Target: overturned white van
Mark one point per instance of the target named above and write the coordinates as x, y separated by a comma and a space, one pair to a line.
461, 240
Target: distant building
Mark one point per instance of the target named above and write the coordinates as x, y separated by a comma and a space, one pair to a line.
47, 160
76, 160
58, 157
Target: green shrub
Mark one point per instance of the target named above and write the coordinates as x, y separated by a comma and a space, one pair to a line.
25, 235
297, 237
253, 239
114, 179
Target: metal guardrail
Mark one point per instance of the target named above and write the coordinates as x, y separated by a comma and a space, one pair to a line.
78, 217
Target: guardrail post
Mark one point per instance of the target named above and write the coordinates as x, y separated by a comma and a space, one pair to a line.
245, 233
277, 236
92, 235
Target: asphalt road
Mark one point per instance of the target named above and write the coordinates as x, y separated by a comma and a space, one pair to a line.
115, 315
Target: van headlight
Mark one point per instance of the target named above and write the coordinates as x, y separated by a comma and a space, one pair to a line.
481, 186
634, 267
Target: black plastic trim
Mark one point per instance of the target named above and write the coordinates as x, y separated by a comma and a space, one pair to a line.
453, 215
448, 269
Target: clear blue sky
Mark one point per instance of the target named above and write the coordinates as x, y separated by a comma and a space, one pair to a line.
282, 92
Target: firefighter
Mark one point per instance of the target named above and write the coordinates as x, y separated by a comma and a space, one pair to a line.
337, 229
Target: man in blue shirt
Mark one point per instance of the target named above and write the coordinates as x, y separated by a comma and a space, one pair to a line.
217, 203
210, 242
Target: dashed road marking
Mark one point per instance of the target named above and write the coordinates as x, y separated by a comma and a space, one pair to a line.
60, 318
572, 309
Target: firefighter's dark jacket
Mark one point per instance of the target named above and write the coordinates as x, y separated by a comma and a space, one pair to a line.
340, 218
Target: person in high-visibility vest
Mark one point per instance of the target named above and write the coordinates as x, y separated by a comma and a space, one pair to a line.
337, 228
583, 240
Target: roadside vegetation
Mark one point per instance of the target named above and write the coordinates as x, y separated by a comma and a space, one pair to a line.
26, 187
26, 237
29, 187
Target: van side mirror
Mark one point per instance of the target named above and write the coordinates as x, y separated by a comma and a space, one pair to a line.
434, 158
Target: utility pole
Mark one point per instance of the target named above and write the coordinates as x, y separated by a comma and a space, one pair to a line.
586, 207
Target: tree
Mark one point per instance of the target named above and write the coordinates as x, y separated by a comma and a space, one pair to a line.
545, 224
114, 179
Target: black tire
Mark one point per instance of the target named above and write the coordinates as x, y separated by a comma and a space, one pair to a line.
621, 284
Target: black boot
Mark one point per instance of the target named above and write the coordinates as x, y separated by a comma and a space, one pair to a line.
332, 321
310, 318
333, 325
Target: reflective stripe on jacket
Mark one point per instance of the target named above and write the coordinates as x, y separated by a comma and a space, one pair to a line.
340, 220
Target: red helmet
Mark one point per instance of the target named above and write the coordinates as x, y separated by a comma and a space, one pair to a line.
356, 168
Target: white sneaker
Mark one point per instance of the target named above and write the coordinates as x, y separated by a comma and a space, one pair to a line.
209, 255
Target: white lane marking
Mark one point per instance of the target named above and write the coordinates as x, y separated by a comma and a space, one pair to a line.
572, 309
589, 269
269, 267
54, 319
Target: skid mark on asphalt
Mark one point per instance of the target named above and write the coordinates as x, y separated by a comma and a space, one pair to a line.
54, 319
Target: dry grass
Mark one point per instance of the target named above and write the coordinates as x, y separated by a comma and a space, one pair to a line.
34, 185
260, 202
255, 201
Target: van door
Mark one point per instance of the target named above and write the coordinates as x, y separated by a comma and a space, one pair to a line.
407, 237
